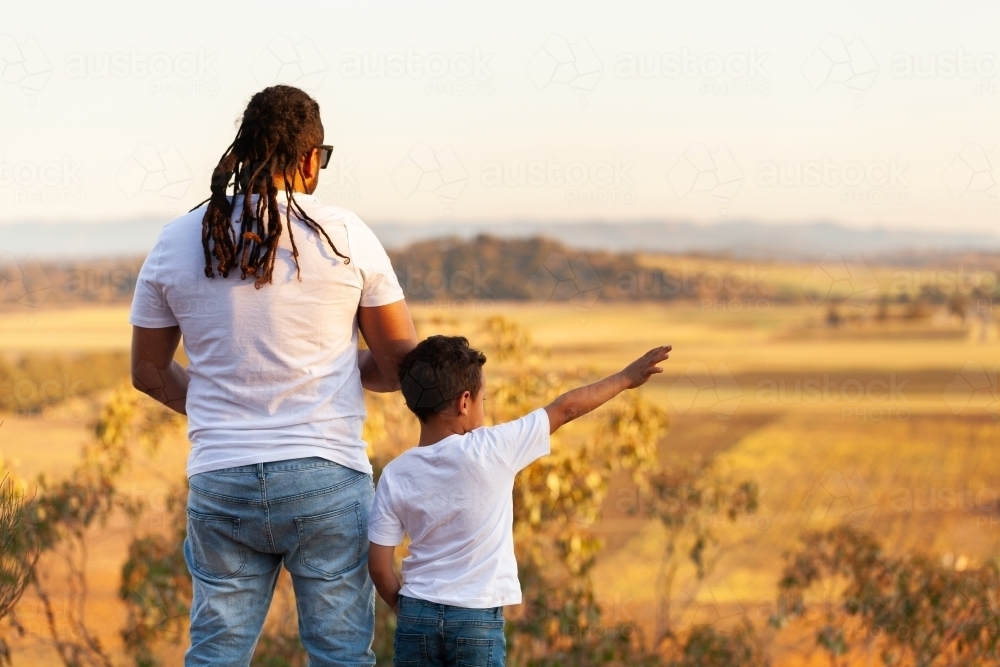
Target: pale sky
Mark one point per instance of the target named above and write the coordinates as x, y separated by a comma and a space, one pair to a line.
861, 113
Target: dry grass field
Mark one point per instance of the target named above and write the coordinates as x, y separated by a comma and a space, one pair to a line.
887, 426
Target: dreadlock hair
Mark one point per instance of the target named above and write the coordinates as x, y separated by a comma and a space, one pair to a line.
279, 126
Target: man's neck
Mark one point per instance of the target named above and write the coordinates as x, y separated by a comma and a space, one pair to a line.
298, 187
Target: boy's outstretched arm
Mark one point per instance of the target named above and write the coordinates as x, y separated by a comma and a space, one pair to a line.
582, 400
383, 576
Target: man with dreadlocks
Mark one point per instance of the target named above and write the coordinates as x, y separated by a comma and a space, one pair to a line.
269, 288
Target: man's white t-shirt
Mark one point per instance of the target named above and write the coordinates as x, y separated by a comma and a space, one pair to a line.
274, 371
454, 499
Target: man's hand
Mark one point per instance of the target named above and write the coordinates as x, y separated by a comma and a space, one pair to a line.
154, 371
639, 371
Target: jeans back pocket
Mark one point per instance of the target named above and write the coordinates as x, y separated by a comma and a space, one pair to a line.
409, 650
213, 542
475, 652
331, 543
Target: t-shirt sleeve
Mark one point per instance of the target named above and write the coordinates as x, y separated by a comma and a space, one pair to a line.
379, 285
384, 526
149, 305
523, 440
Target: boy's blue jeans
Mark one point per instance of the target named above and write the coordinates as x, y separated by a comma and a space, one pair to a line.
243, 523
430, 634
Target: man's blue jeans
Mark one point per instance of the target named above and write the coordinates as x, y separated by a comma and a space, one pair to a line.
430, 634
243, 523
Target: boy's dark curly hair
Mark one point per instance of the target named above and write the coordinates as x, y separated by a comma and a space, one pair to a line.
437, 371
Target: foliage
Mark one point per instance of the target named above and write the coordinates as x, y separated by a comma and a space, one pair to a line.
18, 550
691, 500
706, 646
156, 587
911, 610
557, 502
62, 513
36, 381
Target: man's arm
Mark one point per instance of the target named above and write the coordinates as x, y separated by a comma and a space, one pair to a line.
383, 576
582, 400
154, 371
389, 333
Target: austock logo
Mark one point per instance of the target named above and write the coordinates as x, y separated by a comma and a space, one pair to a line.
840, 498
49, 182
874, 182
23, 281
286, 61
973, 388
563, 279
426, 170
181, 74
702, 388
836, 62
151, 170
943, 65
719, 602
976, 169
733, 74
706, 171
23, 64
561, 62
835, 279
340, 185
458, 74
598, 182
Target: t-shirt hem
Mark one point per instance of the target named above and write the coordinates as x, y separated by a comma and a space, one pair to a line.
152, 322
383, 300
382, 540
475, 603
283, 453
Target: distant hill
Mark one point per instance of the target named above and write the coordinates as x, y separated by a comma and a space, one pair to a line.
491, 268
738, 239
455, 271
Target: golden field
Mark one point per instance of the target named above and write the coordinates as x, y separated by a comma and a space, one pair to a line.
886, 425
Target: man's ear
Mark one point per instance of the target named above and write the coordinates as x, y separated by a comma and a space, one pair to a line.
309, 164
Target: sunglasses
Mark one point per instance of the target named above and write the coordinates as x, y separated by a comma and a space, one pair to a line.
325, 152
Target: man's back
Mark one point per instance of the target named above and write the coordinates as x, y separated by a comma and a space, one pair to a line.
274, 371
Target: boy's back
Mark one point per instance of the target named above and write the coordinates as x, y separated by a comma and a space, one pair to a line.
452, 496
453, 499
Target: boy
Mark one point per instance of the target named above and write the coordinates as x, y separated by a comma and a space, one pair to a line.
452, 494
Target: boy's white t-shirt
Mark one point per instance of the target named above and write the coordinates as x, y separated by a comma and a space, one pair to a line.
274, 372
454, 500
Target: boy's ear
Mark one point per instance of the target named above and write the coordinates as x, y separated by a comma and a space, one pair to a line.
464, 402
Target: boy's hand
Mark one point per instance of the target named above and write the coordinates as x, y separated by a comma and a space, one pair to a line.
582, 400
639, 371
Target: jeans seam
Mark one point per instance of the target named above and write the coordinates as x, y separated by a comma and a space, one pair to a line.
319, 492
301, 496
440, 615
267, 509
477, 624
296, 468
